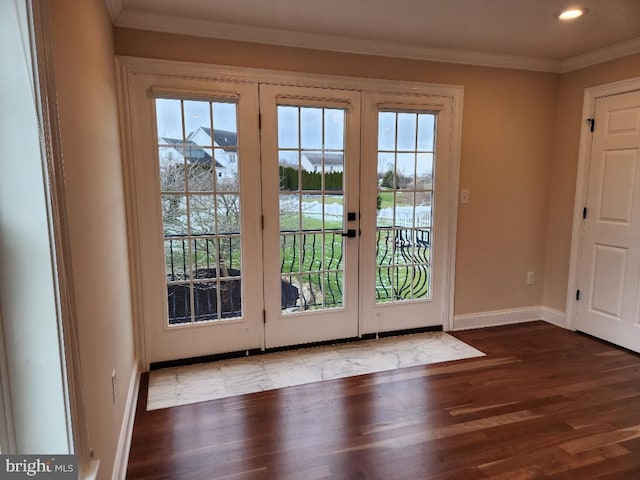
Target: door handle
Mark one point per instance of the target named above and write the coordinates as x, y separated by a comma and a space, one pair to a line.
351, 233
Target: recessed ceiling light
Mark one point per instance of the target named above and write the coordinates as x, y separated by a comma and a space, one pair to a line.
571, 13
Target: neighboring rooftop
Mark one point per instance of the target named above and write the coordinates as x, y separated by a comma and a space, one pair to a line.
190, 150
222, 138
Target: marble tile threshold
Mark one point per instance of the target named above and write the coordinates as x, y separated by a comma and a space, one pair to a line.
201, 382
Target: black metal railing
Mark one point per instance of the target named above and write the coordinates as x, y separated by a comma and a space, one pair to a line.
206, 248
403, 263
212, 281
311, 269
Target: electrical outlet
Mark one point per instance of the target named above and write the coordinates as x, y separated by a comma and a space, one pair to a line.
113, 385
464, 196
531, 278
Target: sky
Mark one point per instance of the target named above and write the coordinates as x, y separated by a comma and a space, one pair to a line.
196, 114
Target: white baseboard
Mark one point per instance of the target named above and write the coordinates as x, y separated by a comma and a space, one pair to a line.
508, 317
555, 317
497, 317
126, 430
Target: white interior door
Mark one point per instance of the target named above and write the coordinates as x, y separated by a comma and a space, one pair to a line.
405, 202
310, 173
609, 279
195, 153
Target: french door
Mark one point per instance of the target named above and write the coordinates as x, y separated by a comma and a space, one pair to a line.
268, 215
199, 241
310, 173
406, 205
349, 238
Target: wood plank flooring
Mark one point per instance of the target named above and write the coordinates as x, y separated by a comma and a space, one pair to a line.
543, 403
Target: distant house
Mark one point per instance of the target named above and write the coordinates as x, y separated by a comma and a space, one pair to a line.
197, 147
225, 148
175, 152
312, 162
225, 152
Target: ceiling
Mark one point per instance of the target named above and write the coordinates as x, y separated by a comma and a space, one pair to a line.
517, 33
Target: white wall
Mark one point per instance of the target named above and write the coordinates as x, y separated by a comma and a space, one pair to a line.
27, 293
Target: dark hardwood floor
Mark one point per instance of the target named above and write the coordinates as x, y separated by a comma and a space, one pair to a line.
543, 403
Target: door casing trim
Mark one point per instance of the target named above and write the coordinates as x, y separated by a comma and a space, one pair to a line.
591, 94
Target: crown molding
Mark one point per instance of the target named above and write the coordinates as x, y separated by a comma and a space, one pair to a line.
601, 55
243, 33
115, 9
206, 28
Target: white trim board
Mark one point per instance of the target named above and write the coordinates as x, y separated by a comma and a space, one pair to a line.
126, 429
555, 317
138, 65
582, 184
601, 55
127, 18
508, 317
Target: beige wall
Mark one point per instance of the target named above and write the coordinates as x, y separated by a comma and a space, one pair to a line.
506, 146
564, 164
82, 43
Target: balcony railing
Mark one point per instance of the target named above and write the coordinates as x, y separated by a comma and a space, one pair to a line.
403, 263
314, 269
312, 272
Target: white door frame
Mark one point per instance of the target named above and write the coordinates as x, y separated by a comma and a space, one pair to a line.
128, 67
582, 184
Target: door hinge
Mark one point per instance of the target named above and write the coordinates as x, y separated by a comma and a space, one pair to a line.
592, 122
262, 221
264, 317
577, 294
584, 212
260, 122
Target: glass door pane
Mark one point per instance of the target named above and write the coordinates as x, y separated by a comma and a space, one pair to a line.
310, 172
311, 207
405, 184
200, 194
